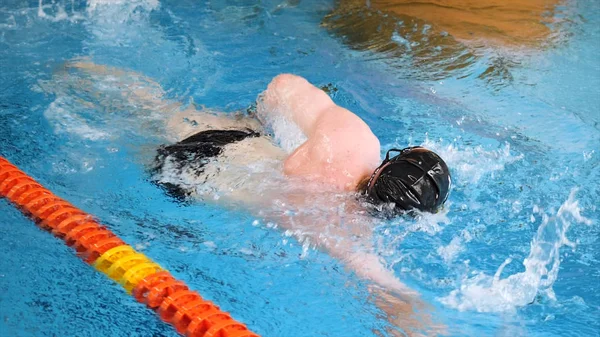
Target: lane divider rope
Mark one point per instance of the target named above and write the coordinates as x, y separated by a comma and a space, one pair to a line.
148, 282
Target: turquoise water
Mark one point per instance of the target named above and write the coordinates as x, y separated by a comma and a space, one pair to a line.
523, 148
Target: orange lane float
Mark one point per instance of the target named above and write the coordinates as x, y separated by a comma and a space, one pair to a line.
148, 282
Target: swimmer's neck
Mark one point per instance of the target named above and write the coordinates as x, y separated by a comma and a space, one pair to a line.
363, 183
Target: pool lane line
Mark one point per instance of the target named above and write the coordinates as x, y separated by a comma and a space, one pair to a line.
145, 280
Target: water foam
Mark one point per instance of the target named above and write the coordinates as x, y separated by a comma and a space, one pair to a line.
57, 11
485, 293
108, 11
455, 247
146, 4
391, 233
470, 164
59, 114
285, 132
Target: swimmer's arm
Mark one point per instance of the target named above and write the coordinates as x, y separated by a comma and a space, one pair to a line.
334, 134
369, 266
295, 99
140, 91
346, 236
357, 256
401, 305
345, 233
142, 95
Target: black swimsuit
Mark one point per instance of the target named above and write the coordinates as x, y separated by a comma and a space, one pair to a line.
192, 154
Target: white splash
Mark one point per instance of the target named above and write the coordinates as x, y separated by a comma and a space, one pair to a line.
10, 24
56, 11
486, 293
61, 118
455, 247
145, 4
120, 22
430, 223
103, 12
470, 164
286, 133
393, 231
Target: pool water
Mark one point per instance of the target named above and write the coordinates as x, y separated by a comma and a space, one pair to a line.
516, 251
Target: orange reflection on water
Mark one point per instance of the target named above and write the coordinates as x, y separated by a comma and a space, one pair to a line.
435, 39
510, 22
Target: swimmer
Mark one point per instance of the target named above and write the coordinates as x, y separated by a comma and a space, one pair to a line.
335, 172
340, 152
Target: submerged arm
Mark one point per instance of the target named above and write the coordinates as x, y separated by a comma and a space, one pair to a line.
402, 305
118, 86
346, 235
112, 89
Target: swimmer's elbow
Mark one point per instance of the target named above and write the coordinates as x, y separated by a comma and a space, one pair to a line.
283, 81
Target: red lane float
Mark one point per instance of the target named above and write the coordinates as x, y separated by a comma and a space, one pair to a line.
149, 283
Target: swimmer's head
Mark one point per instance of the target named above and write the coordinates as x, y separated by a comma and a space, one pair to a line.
416, 178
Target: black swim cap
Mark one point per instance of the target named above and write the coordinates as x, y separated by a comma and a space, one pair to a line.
417, 178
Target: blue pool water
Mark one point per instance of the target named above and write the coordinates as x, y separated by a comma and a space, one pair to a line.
516, 252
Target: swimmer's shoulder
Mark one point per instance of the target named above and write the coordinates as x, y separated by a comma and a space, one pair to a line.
340, 122
342, 146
